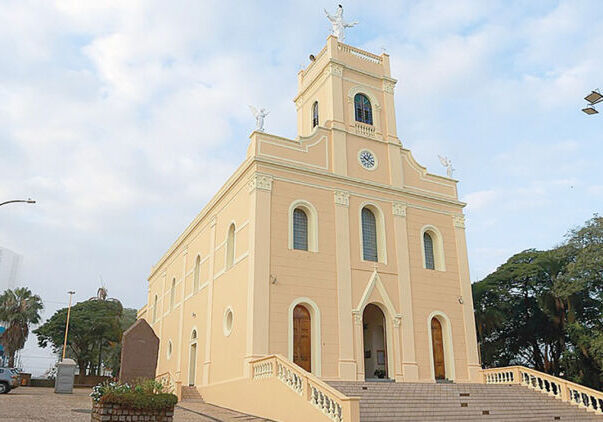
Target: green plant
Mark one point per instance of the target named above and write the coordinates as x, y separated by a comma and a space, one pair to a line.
379, 373
144, 394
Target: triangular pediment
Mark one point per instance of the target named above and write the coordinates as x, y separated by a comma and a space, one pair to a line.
375, 292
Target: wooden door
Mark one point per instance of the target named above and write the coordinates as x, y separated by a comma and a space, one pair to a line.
438, 349
302, 338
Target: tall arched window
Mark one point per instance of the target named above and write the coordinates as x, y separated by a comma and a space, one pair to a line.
315, 114
230, 240
428, 245
363, 110
173, 294
433, 249
196, 273
300, 230
369, 236
155, 309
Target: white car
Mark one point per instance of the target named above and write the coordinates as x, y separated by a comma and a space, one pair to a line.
9, 379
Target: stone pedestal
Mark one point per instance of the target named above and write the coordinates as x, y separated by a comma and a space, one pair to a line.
65, 376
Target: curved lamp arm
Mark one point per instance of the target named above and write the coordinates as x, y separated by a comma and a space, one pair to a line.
28, 201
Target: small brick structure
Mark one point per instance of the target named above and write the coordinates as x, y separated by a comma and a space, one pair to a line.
117, 413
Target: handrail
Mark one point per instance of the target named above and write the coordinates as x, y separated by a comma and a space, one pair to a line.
564, 390
334, 404
174, 385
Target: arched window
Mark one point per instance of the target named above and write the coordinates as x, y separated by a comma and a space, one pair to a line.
303, 226
433, 249
230, 240
155, 309
428, 246
363, 110
300, 230
369, 236
315, 114
194, 335
173, 294
196, 273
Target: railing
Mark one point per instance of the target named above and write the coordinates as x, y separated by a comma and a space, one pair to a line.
365, 130
171, 383
553, 386
332, 403
364, 55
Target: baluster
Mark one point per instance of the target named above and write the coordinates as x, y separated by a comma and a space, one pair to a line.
313, 395
338, 413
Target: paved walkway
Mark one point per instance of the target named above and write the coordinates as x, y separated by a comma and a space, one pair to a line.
28, 404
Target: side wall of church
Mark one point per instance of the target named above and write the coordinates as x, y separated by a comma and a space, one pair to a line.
190, 322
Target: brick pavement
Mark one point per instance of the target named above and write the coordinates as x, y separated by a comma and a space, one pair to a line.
29, 404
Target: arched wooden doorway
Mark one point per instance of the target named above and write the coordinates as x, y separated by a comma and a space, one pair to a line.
302, 338
375, 344
437, 340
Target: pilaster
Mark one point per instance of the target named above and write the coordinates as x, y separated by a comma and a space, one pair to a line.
347, 364
210, 299
410, 369
181, 313
473, 365
258, 286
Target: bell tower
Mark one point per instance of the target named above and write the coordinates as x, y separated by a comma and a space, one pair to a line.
350, 92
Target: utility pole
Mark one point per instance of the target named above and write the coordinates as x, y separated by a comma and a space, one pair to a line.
71, 293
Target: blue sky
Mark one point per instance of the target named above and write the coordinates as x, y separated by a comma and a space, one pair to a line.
123, 118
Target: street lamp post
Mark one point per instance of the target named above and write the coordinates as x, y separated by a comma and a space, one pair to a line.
593, 98
27, 201
71, 293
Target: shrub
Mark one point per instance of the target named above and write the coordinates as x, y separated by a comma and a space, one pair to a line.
144, 394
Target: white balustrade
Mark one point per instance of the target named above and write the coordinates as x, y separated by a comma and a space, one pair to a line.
364, 55
365, 130
547, 384
262, 370
320, 395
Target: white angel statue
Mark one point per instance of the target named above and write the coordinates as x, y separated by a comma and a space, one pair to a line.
339, 24
259, 115
448, 164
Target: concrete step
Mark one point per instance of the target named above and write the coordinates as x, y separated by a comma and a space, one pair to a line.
191, 394
389, 402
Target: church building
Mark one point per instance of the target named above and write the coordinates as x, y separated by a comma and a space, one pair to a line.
330, 257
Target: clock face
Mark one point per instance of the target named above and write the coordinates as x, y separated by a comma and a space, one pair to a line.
367, 159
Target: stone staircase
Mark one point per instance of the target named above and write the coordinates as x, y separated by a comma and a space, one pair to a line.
191, 394
385, 402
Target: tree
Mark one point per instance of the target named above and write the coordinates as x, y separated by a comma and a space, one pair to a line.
93, 325
113, 357
19, 309
543, 308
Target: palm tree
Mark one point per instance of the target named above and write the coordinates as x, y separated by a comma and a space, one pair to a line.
19, 309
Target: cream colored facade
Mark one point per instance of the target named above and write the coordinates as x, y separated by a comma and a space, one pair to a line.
221, 297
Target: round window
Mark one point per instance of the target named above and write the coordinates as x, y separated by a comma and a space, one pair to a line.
228, 316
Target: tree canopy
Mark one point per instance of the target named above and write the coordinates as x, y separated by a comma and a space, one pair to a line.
543, 309
19, 309
94, 325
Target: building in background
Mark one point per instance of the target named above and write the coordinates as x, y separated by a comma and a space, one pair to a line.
10, 269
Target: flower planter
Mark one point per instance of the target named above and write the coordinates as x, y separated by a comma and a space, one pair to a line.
108, 412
